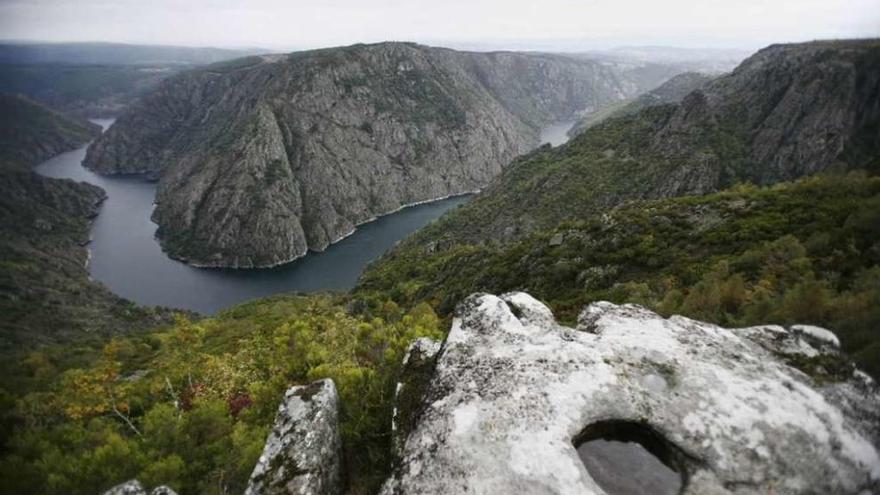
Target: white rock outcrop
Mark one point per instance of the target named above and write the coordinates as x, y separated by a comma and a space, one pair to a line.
818, 335
303, 454
130, 487
134, 487
512, 392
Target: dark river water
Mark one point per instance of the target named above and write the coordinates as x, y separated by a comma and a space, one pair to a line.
127, 258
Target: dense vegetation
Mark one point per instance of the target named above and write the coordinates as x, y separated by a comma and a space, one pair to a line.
46, 297
87, 90
45, 293
803, 252
190, 406
32, 132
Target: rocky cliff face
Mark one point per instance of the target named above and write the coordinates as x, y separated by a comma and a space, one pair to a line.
671, 92
520, 404
264, 158
792, 110
787, 111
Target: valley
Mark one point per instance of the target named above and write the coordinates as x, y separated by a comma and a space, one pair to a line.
324, 140
247, 282
125, 256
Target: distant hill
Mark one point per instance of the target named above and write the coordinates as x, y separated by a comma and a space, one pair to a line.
787, 111
706, 60
116, 54
32, 132
96, 79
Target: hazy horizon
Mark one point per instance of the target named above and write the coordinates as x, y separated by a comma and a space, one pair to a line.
558, 25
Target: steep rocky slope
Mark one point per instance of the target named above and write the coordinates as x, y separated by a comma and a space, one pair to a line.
263, 158
787, 111
672, 91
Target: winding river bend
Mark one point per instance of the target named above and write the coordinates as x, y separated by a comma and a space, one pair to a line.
126, 257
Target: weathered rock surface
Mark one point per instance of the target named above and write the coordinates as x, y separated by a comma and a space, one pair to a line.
130, 487
264, 158
415, 375
513, 392
303, 453
134, 487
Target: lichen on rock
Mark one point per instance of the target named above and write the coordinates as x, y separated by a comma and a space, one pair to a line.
513, 392
303, 452
418, 366
134, 487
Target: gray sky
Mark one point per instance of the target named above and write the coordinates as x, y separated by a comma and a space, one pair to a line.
280, 24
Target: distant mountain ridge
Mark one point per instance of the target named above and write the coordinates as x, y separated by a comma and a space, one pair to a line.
101, 53
672, 91
786, 112
263, 158
94, 80
651, 207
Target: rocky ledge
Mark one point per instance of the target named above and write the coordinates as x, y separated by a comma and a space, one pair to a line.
516, 401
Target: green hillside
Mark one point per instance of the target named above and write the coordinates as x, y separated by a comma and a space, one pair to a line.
802, 252
191, 406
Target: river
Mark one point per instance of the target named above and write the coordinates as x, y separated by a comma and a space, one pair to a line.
126, 257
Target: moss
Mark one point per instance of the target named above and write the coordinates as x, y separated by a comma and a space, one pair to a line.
822, 368
306, 393
414, 382
283, 463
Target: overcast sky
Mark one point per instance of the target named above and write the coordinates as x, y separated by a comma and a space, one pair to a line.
288, 24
